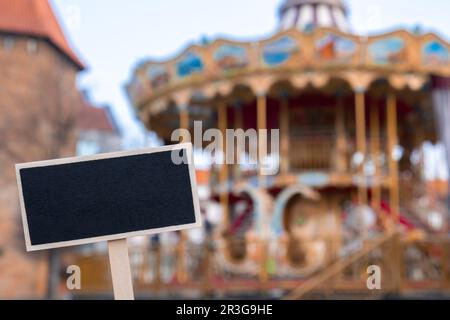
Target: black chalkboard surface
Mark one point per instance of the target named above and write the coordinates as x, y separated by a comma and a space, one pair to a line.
107, 197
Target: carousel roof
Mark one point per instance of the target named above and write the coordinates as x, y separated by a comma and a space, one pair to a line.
309, 14
201, 72
405, 59
292, 3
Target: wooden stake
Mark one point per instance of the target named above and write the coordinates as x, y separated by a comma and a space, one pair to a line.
181, 274
120, 270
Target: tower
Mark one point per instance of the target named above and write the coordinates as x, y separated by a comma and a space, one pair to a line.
306, 15
38, 109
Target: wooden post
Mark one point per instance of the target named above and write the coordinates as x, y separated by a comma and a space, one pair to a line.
223, 174
284, 132
341, 139
398, 262
262, 139
120, 270
360, 115
375, 150
181, 261
262, 151
184, 119
181, 249
393, 164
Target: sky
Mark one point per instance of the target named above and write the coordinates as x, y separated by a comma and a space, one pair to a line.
113, 36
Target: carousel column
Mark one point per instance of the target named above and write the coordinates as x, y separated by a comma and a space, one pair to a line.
182, 274
341, 167
392, 141
284, 130
392, 138
375, 150
262, 136
441, 107
184, 120
223, 173
262, 151
360, 116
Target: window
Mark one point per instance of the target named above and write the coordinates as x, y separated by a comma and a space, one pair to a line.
32, 46
87, 148
8, 43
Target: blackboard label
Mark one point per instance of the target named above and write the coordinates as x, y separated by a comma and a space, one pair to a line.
104, 197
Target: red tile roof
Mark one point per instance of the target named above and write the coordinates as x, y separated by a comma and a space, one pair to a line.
35, 18
93, 118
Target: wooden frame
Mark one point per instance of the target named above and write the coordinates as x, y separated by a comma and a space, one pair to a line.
196, 224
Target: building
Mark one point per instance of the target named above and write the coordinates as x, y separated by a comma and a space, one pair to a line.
353, 113
98, 131
39, 103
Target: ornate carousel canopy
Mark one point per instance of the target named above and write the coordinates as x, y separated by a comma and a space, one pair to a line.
402, 57
203, 72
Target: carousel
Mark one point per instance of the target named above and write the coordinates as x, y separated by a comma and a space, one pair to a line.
353, 112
